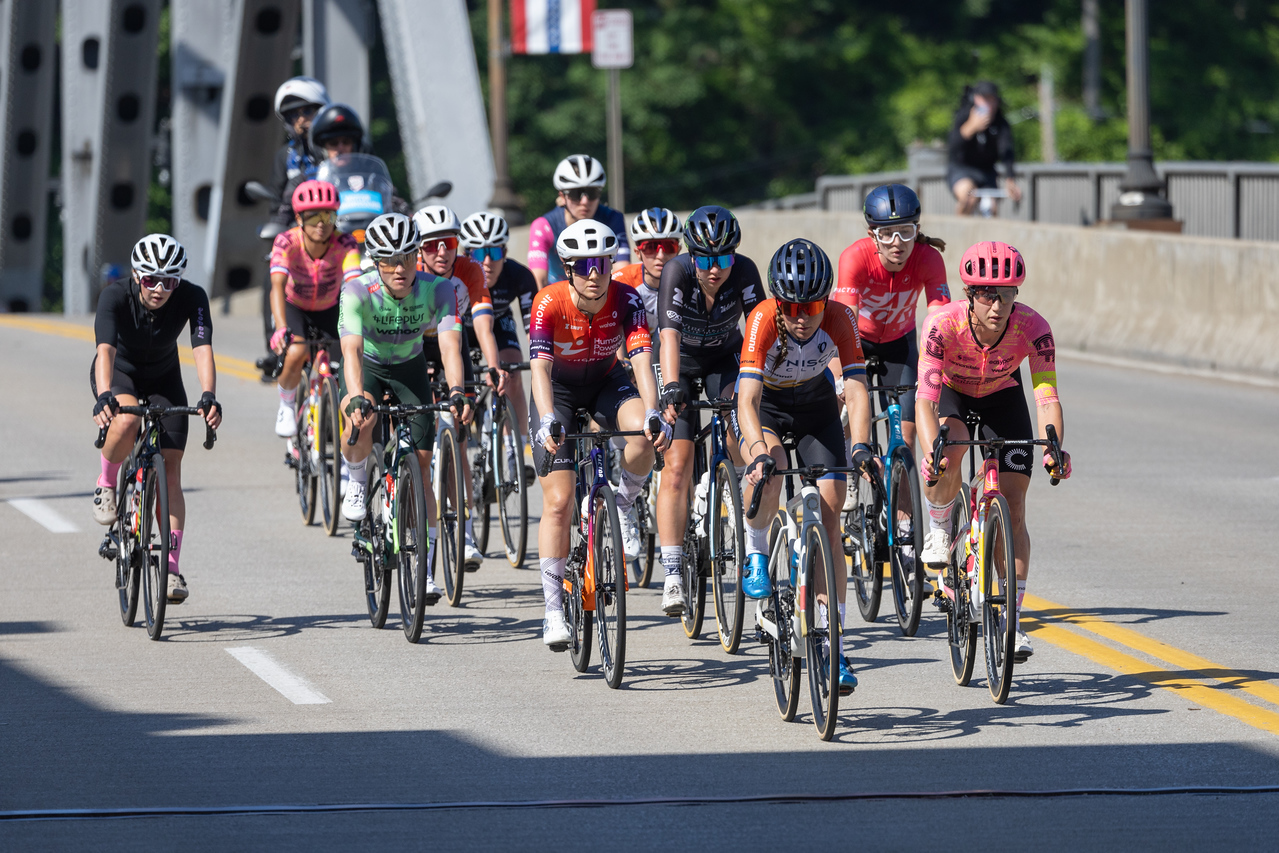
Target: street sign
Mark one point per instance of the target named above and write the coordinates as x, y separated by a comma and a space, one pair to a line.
614, 44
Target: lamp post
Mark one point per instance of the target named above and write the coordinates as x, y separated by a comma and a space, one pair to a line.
1142, 193
504, 197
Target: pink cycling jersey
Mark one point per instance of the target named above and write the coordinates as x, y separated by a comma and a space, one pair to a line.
541, 242
885, 301
951, 356
313, 284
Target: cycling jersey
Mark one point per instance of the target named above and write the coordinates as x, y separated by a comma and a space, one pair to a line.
146, 342
682, 305
633, 275
546, 229
885, 301
952, 356
470, 293
514, 283
584, 350
392, 328
313, 283
804, 367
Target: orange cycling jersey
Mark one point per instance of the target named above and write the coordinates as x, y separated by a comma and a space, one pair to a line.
885, 301
805, 361
633, 274
470, 291
583, 350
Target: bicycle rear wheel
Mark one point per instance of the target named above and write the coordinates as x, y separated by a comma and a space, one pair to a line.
512, 491
579, 620
609, 563
328, 443
999, 598
482, 490
642, 566
154, 545
128, 559
861, 530
821, 644
784, 665
304, 439
960, 630
694, 585
411, 533
450, 508
377, 572
907, 534
728, 550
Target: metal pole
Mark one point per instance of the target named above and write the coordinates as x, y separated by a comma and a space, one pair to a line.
1047, 116
504, 198
616, 182
1142, 194
1092, 58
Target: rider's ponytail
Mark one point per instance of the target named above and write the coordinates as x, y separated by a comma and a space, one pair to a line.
936, 242
782, 343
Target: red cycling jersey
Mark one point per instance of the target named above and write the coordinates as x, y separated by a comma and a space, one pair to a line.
885, 301
583, 350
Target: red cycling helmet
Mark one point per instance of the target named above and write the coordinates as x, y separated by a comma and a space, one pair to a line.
991, 264
315, 195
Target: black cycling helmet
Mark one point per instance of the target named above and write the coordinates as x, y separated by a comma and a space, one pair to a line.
335, 122
890, 204
712, 230
800, 272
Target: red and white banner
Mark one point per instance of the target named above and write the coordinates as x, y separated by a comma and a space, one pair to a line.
551, 26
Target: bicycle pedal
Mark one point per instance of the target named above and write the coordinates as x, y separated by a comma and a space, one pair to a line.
558, 647
431, 599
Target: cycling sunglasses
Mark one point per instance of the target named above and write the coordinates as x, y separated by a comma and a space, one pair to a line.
652, 247
406, 259
888, 234
435, 245
159, 282
988, 295
802, 309
494, 252
585, 266
307, 111
705, 262
325, 217
584, 194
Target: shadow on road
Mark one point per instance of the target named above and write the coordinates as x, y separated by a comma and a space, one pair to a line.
245, 627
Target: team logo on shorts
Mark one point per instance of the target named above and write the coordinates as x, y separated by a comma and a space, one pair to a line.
1021, 463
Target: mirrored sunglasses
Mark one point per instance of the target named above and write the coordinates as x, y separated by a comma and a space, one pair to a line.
408, 260
652, 247
585, 266
435, 245
988, 295
494, 252
159, 282
705, 262
325, 217
584, 194
797, 309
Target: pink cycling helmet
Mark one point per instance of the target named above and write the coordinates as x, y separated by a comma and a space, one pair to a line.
991, 264
315, 195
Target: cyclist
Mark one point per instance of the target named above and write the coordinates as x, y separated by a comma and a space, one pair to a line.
484, 235
785, 387
655, 233
579, 181
702, 298
439, 228
137, 326
384, 315
881, 277
970, 364
577, 328
309, 263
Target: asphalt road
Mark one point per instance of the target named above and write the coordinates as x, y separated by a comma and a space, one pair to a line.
1153, 591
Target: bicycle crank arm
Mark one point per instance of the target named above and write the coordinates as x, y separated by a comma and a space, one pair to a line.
765, 624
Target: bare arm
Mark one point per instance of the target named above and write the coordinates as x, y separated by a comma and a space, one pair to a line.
858, 403
543, 396
454, 370
277, 298
353, 369
540, 277
1050, 413
103, 369
483, 325
749, 393
645, 381
207, 372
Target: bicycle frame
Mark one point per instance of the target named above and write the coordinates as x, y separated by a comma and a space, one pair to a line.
392, 455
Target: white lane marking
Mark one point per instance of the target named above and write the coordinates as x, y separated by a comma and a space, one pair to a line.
46, 515
290, 686
1173, 369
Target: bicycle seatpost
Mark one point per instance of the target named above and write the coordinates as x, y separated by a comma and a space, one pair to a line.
1054, 447
939, 449
770, 465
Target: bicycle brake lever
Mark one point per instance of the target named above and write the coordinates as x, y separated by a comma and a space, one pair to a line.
101, 439
210, 436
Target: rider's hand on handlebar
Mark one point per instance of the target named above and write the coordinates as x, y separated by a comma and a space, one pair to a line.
863, 458
1064, 472
460, 404
280, 340
926, 469
663, 439
759, 467
545, 435
357, 410
212, 409
104, 409
673, 401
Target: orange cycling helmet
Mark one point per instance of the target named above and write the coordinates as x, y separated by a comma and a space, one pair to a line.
315, 195
991, 264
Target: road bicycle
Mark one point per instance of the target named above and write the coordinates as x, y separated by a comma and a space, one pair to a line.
789, 621
498, 473
449, 486
595, 572
979, 585
870, 539
646, 522
314, 454
714, 539
139, 538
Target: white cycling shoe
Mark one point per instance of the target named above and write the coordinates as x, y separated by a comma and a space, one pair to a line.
177, 591
433, 592
630, 534
286, 420
555, 632
104, 505
936, 548
353, 503
673, 596
1022, 649
472, 557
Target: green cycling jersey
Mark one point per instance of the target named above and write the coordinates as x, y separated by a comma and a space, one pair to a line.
392, 328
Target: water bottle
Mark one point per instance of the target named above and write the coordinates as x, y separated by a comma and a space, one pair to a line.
701, 496
388, 493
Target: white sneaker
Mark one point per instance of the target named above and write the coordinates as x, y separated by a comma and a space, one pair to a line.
286, 420
555, 631
472, 558
936, 548
104, 505
673, 596
1022, 650
353, 503
630, 534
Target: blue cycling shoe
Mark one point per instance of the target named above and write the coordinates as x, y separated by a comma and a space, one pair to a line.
755, 580
847, 680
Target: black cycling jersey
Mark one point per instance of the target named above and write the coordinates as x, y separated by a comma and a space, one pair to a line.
515, 282
682, 306
146, 341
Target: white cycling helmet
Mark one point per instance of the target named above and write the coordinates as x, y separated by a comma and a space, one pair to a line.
298, 92
391, 234
586, 238
158, 254
436, 219
484, 229
656, 223
579, 170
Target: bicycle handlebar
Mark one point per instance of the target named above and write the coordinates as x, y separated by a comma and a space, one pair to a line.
557, 433
771, 470
514, 365
1052, 443
398, 411
939, 448
1054, 448
156, 413
719, 404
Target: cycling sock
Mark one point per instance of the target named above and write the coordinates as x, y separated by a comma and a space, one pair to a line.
628, 489
175, 550
432, 534
358, 471
756, 540
287, 395
1021, 593
843, 611
672, 557
110, 473
553, 583
470, 529
939, 516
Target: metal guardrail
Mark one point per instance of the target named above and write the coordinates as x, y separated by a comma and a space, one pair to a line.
1213, 199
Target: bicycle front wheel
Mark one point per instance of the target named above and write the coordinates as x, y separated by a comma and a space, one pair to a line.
821, 643
411, 534
609, 564
999, 598
728, 550
907, 537
642, 566
960, 630
512, 491
783, 663
377, 569
860, 531
482, 489
450, 508
128, 558
153, 545
328, 443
